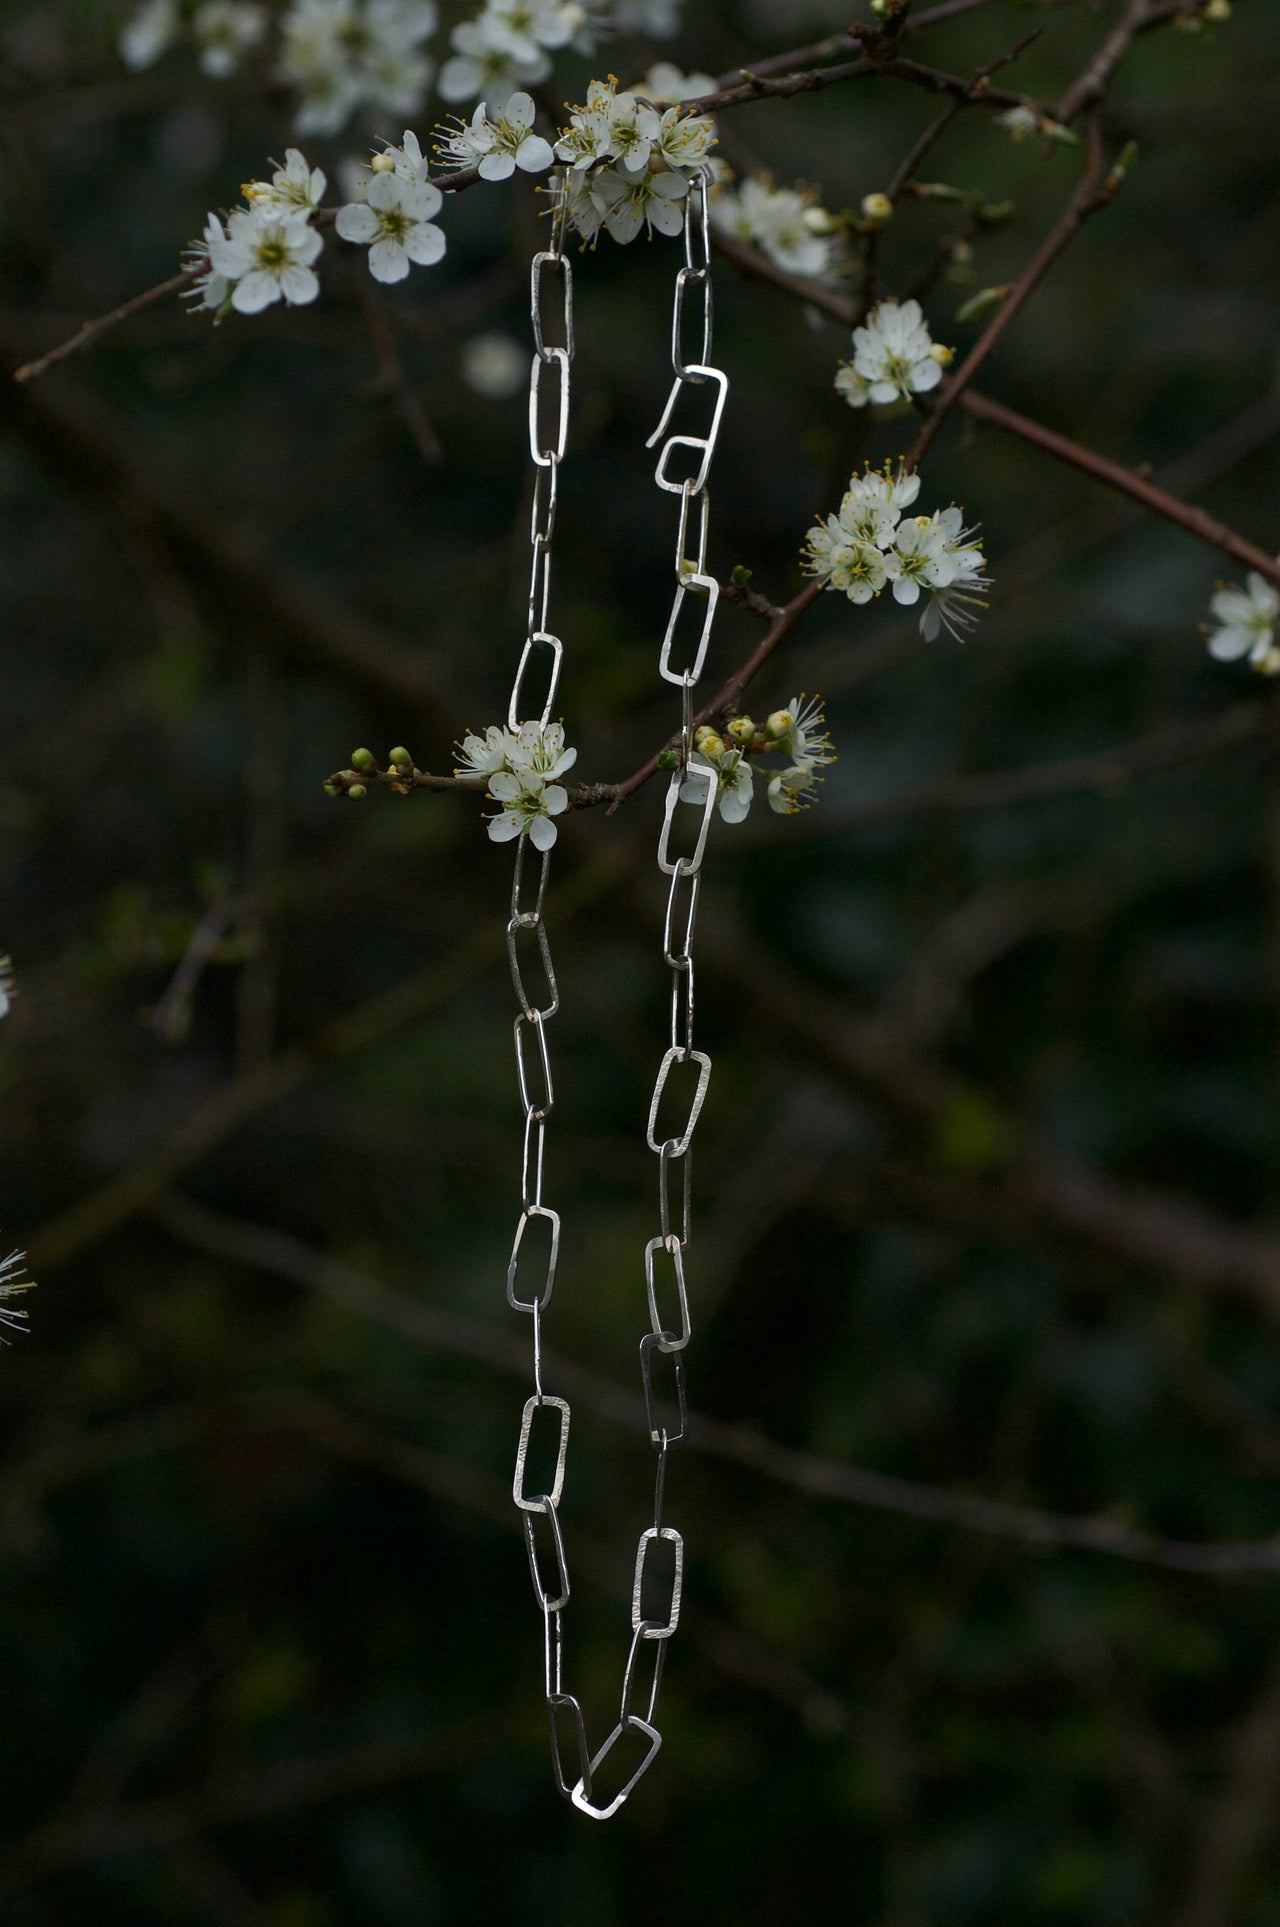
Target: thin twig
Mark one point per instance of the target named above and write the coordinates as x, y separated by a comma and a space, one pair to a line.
1093, 192
283, 1256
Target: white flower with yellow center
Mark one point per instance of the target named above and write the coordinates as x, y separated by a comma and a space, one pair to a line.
394, 223
485, 755
893, 353
791, 790
497, 147
527, 803
489, 64
267, 258
684, 140
919, 558
295, 188
733, 774
645, 201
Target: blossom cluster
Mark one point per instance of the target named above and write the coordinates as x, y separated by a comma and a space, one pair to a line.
262, 253
787, 225
894, 357
341, 57
869, 543
798, 733
629, 161
521, 767
1246, 622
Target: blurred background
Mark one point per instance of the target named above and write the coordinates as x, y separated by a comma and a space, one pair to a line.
985, 1188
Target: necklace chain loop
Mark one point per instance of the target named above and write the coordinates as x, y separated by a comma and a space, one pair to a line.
659, 1559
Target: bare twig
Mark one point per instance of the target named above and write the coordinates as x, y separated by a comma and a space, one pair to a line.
277, 1253
88, 332
1093, 193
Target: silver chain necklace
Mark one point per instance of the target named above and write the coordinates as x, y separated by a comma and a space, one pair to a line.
576, 1768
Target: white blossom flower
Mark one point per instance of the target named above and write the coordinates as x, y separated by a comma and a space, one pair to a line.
893, 353
209, 289
665, 84
954, 605
684, 140
394, 222
645, 200
540, 749
316, 37
226, 30
537, 23
791, 790
918, 559
778, 221
734, 780
13, 1279
394, 72
806, 740
1020, 123
853, 386
485, 755
494, 366
267, 258
489, 65
497, 147
1246, 621
860, 569
148, 33
295, 188
527, 805
658, 18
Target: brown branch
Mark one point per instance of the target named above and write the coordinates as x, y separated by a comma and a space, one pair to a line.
85, 446
1097, 773
123, 1197
284, 1256
1093, 192
1088, 89
1125, 481
89, 331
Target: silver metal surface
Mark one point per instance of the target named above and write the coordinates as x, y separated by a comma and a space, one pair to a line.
532, 1407
653, 1536
581, 1795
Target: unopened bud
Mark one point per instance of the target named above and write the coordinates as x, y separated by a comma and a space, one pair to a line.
1218, 10
818, 221
877, 209
383, 164
363, 759
741, 731
701, 733
943, 355
981, 303
781, 723
712, 745
332, 789
668, 759
357, 792
401, 758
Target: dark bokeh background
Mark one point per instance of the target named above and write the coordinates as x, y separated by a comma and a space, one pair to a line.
986, 1179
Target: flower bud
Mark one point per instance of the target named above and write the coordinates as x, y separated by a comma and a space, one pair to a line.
818, 221
382, 164
401, 758
332, 789
701, 733
1218, 10
357, 792
741, 731
943, 355
713, 746
781, 723
668, 759
363, 759
877, 209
